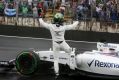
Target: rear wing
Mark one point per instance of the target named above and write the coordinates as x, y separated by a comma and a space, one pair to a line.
101, 46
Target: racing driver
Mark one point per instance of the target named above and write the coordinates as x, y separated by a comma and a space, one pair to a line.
57, 30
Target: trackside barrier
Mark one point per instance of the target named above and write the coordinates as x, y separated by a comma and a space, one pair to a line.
77, 35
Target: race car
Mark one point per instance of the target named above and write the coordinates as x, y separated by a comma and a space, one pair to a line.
101, 62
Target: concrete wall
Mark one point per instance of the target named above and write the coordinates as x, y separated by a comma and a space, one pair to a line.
70, 35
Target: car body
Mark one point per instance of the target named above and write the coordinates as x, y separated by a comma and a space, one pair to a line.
101, 62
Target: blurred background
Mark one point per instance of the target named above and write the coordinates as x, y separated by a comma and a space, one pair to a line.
94, 15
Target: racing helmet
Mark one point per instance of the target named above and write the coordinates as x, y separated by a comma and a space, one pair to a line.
58, 18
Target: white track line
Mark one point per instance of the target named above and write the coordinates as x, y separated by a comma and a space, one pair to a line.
42, 38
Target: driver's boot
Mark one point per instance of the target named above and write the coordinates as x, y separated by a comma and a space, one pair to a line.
56, 67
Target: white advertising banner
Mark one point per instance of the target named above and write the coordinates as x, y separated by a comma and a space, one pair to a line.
28, 22
11, 20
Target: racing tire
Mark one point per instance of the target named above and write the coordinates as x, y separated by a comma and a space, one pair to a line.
27, 62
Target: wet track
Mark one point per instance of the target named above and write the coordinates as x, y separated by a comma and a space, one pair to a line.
11, 46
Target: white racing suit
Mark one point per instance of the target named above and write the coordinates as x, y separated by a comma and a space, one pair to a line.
57, 34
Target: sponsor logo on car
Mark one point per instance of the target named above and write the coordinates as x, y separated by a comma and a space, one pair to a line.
98, 63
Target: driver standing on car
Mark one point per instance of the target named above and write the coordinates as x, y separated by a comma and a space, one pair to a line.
57, 30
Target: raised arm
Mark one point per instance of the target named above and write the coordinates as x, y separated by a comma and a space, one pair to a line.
43, 24
72, 26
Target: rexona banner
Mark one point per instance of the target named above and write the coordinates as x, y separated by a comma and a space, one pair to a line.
10, 12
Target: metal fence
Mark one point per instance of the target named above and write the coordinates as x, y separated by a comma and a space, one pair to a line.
84, 25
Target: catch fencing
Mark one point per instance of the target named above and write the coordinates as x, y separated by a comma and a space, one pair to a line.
84, 25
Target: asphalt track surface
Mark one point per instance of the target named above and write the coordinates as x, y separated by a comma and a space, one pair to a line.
10, 46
